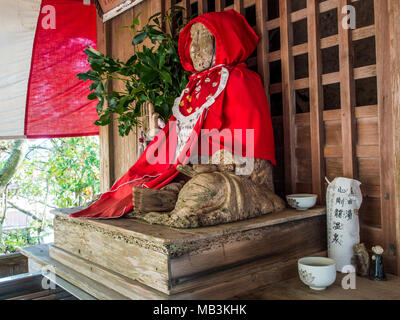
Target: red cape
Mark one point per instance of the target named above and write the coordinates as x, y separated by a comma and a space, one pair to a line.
226, 97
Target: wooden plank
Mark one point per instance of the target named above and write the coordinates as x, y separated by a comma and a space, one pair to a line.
87, 288
105, 133
219, 5
329, 78
365, 72
364, 32
347, 92
331, 41
360, 112
124, 148
394, 28
238, 6
288, 96
294, 289
328, 5
224, 284
20, 285
202, 6
385, 112
185, 272
129, 288
36, 295
186, 4
263, 44
165, 236
273, 244
148, 253
12, 264
298, 15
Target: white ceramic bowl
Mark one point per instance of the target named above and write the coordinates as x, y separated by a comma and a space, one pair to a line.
317, 272
302, 201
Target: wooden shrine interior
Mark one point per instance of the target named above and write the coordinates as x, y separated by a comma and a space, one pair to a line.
333, 94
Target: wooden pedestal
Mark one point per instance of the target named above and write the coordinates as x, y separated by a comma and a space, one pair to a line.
142, 261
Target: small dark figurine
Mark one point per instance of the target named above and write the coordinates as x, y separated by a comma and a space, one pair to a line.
376, 272
361, 259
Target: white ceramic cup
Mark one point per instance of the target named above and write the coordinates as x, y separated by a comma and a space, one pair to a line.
317, 272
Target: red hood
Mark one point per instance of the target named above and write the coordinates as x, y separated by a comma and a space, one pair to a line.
235, 39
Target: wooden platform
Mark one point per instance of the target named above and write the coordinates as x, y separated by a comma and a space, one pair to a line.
142, 261
294, 289
13, 264
28, 286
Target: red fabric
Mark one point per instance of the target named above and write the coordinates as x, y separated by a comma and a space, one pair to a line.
57, 104
245, 105
241, 105
118, 201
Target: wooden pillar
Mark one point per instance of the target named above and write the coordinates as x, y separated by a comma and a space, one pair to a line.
203, 6
158, 6
288, 95
316, 99
219, 5
394, 27
105, 133
347, 94
238, 6
385, 131
263, 44
187, 13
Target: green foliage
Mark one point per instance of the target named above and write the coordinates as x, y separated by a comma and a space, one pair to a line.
54, 173
22, 238
66, 172
152, 74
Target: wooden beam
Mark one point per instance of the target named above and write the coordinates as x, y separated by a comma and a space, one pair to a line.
105, 133
262, 50
288, 96
328, 42
347, 94
394, 27
316, 100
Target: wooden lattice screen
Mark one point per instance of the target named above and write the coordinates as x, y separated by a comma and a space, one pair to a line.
330, 98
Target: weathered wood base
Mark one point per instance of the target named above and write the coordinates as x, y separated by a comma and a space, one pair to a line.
141, 261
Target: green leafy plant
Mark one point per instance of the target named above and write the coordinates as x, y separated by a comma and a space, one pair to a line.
153, 73
20, 238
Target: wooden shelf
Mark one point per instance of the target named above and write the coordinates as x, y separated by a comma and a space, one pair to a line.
294, 289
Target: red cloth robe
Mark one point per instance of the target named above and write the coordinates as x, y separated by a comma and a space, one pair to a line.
227, 96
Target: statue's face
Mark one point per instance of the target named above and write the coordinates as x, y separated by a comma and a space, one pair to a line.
202, 47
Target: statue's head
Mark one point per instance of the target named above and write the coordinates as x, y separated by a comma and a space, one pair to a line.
216, 38
202, 47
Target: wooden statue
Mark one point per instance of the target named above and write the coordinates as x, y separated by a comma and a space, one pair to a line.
212, 162
361, 259
214, 193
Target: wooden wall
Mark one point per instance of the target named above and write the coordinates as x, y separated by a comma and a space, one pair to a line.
333, 97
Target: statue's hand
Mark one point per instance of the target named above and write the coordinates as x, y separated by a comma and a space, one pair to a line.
196, 169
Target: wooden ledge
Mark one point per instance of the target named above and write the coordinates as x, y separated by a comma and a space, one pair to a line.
166, 235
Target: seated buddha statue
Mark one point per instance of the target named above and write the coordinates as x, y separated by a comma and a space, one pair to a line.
212, 162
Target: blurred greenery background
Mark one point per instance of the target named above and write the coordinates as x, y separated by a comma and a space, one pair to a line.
39, 175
